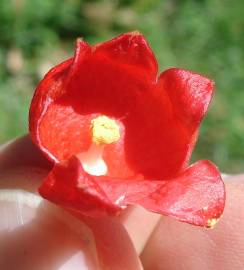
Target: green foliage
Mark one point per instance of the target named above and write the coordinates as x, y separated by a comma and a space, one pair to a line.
206, 36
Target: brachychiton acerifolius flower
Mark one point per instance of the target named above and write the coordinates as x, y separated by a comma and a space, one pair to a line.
119, 134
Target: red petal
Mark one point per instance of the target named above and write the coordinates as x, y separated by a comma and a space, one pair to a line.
50, 87
190, 94
197, 196
163, 126
46, 131
96, 82
160, 120
132, 51
69, 186
156, 141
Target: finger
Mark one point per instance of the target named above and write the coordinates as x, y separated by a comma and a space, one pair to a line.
176, 245
113, 245
36, 235
26, 217
139, 224
20, 153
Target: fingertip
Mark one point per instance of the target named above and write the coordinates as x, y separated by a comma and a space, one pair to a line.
197, 247
22, 152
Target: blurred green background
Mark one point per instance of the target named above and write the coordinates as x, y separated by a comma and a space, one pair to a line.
206, 36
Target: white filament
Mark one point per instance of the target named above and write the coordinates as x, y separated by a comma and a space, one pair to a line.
92, 160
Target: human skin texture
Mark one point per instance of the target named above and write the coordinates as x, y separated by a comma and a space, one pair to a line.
28, 223
175, 245
22, 167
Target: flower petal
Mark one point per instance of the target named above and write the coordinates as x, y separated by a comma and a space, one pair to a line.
45, 120
156, 141
190, 94
197, 196
96, 81
160, 119
163, 127
132, 51
50, 87
69, 186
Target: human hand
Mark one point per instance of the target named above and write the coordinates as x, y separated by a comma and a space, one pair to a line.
38, 235
176, 245
35, 234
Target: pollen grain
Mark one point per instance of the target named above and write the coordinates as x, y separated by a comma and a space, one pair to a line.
104, 130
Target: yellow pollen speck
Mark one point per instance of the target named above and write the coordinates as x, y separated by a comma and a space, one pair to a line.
104, 130
212, 222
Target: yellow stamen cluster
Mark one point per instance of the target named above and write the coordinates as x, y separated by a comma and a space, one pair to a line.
104, 130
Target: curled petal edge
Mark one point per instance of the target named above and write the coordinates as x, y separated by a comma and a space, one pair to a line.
131, 50
191, 94
196, 196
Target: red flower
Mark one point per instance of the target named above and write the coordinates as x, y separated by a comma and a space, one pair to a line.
119, 135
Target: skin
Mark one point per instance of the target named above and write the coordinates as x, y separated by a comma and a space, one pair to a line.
189, 247
80, 243
26, 227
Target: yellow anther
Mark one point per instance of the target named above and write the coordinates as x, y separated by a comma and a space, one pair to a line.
104, 130
212, 222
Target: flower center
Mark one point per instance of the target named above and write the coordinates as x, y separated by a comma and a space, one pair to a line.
103, 131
